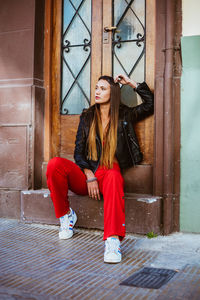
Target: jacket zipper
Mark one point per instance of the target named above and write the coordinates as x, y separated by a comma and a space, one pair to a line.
128, 145
132, 140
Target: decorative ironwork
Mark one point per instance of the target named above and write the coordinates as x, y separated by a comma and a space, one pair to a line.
75, 84
85, 45
118, 41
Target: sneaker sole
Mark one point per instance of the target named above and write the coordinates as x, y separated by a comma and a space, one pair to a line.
112, 261
63, 236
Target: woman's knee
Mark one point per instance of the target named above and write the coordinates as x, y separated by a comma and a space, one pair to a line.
54, 164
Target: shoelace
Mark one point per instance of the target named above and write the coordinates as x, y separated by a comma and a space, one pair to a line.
113, 245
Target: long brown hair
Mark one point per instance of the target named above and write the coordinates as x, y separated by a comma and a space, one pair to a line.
109, 137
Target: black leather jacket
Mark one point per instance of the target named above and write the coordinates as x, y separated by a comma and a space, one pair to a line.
128, 151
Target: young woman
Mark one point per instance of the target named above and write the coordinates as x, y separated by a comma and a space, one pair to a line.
105, 144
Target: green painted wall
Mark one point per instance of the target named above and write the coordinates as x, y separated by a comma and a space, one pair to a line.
190, 135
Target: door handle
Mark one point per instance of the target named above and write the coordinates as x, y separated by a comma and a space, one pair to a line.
112, 28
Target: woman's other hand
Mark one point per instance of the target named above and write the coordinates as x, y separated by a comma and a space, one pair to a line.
93, 190
125, 80
93, 187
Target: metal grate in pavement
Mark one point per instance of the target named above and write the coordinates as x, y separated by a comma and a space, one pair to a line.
151, 278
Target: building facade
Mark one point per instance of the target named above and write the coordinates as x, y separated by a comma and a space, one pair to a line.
38, 74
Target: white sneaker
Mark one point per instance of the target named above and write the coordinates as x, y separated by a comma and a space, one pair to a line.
112, 252
67, 223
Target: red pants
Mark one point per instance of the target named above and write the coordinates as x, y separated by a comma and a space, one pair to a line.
63, 174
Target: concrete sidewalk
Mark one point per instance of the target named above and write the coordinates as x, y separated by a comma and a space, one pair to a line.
35, 264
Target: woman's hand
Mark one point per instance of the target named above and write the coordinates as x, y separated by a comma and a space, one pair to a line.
93, 187
125, 80
93, 190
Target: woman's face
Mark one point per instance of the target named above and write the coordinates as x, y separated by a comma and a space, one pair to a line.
102, 92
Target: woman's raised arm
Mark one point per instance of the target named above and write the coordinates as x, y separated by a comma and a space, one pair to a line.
146, 108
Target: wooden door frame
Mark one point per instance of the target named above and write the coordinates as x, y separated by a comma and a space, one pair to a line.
166, 177
52, 115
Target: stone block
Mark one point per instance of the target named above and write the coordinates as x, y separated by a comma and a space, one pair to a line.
10, 204
143, 212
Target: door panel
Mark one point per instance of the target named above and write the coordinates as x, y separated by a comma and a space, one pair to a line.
127, 45
69, 125
83, 66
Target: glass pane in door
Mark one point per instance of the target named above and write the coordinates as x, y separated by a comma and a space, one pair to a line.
76, 44
128, 50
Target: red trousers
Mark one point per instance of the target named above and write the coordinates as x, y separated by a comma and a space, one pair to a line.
63, 174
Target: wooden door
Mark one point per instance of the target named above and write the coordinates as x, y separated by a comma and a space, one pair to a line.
84, 47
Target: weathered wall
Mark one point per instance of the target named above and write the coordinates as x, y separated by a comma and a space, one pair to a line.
21, 100
190, 120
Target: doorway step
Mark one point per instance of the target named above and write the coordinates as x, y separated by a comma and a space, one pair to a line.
143, 212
